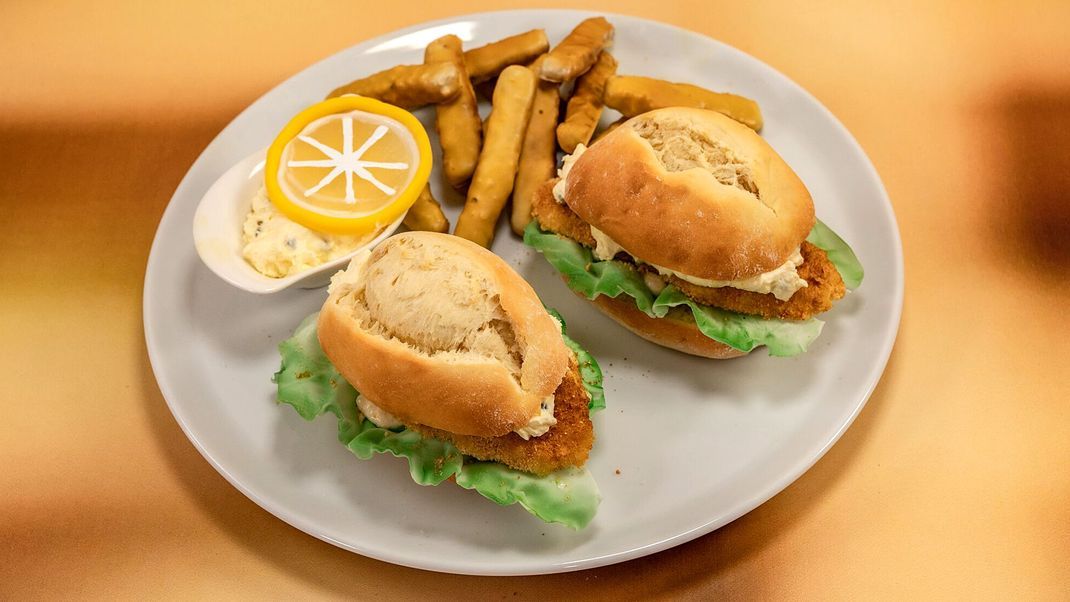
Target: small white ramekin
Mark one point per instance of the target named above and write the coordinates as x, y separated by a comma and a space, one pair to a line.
217, 230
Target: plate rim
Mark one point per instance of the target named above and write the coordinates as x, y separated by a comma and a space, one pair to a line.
737, 510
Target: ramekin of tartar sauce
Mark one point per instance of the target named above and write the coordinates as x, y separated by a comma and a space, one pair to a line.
255, 248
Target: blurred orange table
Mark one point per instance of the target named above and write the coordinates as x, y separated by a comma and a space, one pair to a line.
954, 481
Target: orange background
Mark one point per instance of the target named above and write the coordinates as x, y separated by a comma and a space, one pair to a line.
954, 481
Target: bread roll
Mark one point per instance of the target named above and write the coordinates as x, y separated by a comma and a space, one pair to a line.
693, 191
438, 331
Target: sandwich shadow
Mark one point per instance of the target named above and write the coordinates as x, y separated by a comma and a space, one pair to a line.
311, 452
738, 380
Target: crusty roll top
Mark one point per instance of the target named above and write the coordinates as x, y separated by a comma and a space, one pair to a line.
693, 191
439, 331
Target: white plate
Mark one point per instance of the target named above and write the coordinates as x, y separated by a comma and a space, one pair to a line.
698, 443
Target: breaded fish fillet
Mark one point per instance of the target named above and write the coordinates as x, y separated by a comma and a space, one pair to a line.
823, 287
823, 282
566, 444
557, 217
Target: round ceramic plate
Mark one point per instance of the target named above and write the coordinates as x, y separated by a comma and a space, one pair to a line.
685, 446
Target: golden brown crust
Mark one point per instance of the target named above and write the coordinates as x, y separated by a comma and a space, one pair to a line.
824, 284
426, 213
464, 391
633, 95
495, 174
487, 61
538, 156
566, 444
408, 86
585, 106
689, 219
578, 51
558, 218
677, 330
460, 129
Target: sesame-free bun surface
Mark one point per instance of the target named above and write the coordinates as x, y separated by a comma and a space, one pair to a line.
693, 191
439, 331
677, 330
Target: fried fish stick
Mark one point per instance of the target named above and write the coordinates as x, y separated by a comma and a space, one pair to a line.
408, 86
486, 62
538, 155
426, 214
632, 95
496, 172
460, 130
577, 52
609, 128
585, 106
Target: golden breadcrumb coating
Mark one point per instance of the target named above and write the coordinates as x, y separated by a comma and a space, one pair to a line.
557, 217
566, 444
824, 285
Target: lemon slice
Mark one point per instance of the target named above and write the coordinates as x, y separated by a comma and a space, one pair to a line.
348, 165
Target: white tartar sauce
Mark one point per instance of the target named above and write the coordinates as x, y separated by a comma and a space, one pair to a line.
379, 417
277, 246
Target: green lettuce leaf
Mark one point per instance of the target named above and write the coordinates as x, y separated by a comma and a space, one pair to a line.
430, 461
586, 275
782, 337
839, 252
310, 384
568, 496
590, 372
592, 277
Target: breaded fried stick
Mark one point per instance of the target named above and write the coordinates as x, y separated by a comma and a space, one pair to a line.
460, 130
585, 106
408, 86
578, 52
496, 172
633, 95
538, 155
486, 62
426, 214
